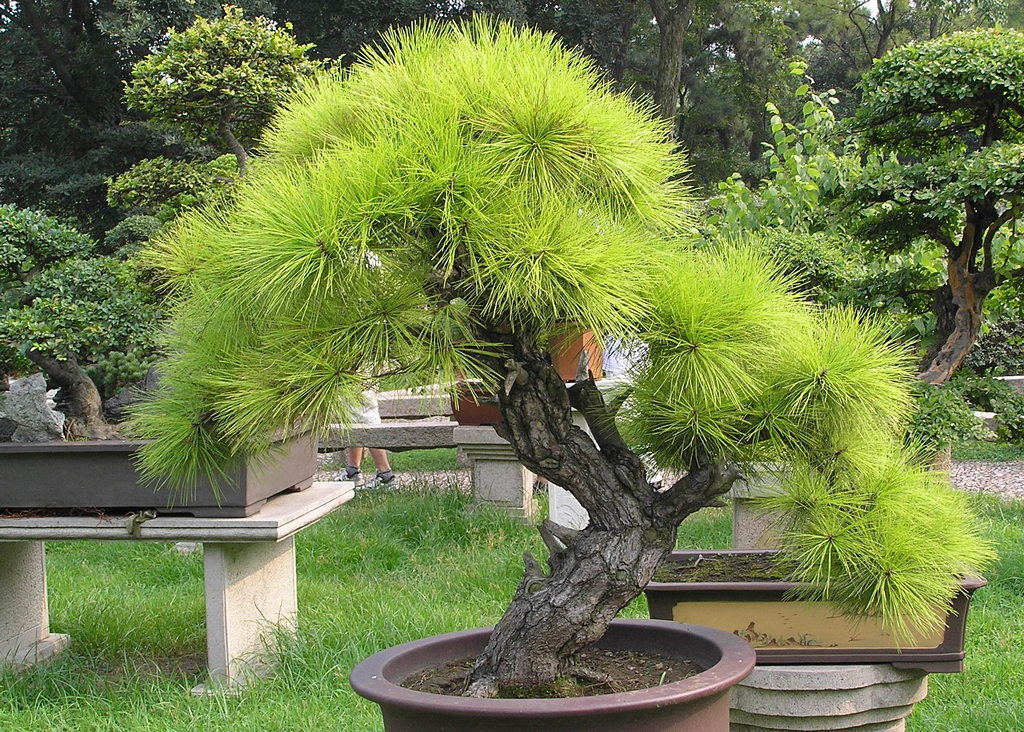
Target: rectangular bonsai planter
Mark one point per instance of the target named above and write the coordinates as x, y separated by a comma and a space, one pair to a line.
788, 631
101, 475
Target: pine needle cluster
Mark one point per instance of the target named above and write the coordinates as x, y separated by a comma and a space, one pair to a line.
738, 369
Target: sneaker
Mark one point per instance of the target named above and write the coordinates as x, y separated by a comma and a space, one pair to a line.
381, 480
355, 475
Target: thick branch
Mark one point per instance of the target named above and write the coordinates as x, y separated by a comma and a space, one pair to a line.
697, 489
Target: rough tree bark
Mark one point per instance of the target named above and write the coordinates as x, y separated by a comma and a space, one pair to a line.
969, 283
595, 572
673, 23
84, 410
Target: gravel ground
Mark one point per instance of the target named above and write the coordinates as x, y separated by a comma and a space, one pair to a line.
1004, 479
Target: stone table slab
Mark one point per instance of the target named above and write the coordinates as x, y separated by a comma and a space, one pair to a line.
279, 518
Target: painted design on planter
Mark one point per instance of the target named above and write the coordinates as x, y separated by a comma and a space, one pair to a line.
782, 624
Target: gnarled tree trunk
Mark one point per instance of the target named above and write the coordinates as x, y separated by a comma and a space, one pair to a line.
595, 572
84, 410
964, 294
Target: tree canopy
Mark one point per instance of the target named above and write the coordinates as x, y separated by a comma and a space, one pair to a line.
945, 120
220, 78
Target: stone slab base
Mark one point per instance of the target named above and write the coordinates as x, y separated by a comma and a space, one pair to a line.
865, 698
38, 652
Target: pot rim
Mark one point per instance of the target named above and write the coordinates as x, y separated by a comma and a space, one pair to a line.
968, 583
736, 663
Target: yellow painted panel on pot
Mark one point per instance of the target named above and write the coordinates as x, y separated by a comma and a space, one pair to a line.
779, 624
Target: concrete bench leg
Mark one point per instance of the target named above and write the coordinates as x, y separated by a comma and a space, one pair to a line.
25, 637
498, 477
250, 599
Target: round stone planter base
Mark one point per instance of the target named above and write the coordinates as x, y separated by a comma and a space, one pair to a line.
866, 698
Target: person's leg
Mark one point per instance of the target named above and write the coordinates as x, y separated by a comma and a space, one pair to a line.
380, 459
384, 472
355, 457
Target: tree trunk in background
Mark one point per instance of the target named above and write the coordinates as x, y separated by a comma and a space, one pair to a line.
84, 410
673, 23
620, 53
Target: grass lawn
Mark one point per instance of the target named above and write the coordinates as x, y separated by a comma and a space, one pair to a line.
385, 569
995, 452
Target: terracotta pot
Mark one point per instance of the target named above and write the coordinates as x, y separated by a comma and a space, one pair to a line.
788, 631
101, 475
697, 704
466, 411
566, 348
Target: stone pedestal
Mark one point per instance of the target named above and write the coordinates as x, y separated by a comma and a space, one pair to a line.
25, 636
498, 478
753, 528
867, 698
250, 600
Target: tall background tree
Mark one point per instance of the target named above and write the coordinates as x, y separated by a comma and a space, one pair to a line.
220, 80
946, 118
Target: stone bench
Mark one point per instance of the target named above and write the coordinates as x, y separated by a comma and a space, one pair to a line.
248, 571
395, 435
431, 401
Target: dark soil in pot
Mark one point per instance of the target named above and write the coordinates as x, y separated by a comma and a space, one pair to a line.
609, 672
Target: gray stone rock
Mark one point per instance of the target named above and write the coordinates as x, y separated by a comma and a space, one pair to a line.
27, 403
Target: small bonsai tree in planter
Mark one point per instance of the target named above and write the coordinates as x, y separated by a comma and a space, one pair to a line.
439, 210
64, 306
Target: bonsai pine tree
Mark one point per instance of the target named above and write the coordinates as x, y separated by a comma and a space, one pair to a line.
948, 118
63, 306
220, 79
439, 210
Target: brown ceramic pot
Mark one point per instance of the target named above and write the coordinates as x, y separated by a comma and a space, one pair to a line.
697, 704
471, 408
100, 474
785, 630
566, 348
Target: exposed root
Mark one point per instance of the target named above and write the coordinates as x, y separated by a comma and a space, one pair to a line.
587, 674
482, 689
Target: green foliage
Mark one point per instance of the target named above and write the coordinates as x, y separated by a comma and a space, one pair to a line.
223, 71
128, 236
29, 240
59, 298
405, 204
987, 394
931, 97
1000, 350
164, 188
942, 417
82, 306
116, 370
883, 542
822, 265
803, 166
469, 182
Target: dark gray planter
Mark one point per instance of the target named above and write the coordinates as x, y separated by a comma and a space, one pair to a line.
790, 631
101, 475
697, 704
